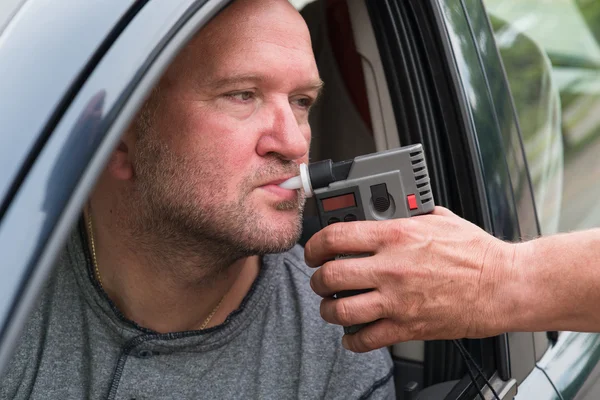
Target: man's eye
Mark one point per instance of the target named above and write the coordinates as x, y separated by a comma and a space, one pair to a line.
241, 96
304, 102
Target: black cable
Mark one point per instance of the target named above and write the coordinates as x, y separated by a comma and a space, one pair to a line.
473, 378
469, 360
469, 371
479, 371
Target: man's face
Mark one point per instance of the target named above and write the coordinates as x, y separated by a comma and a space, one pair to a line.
228, 122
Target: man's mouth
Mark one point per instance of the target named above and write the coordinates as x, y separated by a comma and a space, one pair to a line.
272, 187
280, 180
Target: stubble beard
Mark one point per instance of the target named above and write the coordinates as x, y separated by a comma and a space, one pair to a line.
182, 217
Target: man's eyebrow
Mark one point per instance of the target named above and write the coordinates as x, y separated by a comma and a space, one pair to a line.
316, 85
231, 80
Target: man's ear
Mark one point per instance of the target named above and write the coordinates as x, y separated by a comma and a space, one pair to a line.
120, 165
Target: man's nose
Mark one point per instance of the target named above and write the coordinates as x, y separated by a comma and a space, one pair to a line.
283, 134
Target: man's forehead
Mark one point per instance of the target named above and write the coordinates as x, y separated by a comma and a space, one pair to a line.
215, 48
244, 19
255, 61
234, 50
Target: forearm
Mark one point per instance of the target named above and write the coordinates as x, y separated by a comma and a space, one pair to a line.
559, 286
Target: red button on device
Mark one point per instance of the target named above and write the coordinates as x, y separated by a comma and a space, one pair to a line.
412, 202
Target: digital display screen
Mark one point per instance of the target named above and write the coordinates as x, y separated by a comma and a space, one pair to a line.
339, 202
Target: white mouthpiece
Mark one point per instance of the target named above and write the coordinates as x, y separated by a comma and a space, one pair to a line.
301, 181
292, 183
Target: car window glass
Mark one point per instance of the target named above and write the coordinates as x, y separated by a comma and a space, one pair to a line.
8, 8
551, 54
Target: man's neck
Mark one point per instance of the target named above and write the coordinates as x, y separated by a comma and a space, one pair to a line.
170, 294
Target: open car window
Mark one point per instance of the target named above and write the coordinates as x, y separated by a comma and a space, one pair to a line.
355, 115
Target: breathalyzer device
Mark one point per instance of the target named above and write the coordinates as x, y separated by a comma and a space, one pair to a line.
379, 186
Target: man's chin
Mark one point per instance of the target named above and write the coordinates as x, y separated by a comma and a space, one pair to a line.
283, 220
272, 207
281, 228
289, 206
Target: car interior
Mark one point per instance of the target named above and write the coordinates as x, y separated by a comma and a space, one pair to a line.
354, 117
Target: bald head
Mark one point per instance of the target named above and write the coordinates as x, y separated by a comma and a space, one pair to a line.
270, 23
250, 15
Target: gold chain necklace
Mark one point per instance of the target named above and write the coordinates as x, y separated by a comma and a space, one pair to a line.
93, 246
99, 279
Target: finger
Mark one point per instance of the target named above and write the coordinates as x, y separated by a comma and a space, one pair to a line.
374, 336
442, 211
343, 238
353, 310
346, 274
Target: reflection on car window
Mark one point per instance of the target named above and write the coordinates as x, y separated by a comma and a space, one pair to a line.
551, 53
8, 8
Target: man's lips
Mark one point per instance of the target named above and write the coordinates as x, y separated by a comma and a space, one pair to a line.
284, 194
280, 180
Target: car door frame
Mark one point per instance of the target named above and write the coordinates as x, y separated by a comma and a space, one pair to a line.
54, 189
479, 184
569, 360
543, 379
486, 95
491, 122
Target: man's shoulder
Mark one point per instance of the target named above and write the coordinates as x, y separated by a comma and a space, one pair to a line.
367, 375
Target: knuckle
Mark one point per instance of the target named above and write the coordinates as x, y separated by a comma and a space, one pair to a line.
308, 252
401, 334
396, 231
355, 229
442, 211
368, 340
382, 308
413, 310
417, 330
327, 311
314, 282
342, 313
378, 270
331, 235
311, 253
330, 275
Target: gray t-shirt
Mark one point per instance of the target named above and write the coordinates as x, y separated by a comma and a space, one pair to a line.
77, 345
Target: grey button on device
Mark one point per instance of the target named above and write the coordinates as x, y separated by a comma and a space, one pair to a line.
350, 218
381, 197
